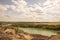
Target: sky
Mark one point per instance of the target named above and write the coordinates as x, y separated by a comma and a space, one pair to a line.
30, 10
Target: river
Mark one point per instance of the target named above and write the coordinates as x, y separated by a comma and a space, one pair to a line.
38, 31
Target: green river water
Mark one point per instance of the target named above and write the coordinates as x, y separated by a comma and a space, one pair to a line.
39, 31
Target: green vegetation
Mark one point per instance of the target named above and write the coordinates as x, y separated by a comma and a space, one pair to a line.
16, 25
32, 25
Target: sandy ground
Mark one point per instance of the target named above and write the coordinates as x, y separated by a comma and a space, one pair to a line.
13, 34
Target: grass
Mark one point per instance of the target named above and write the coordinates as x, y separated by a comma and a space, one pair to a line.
33, 25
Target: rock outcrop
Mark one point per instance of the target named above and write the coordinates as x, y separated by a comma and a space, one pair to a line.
15, 34
54, 37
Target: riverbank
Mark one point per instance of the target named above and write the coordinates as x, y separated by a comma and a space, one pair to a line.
11, 33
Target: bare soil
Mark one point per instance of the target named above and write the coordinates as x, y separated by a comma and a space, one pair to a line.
15, 34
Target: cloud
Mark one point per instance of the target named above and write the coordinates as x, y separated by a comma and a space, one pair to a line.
54, 8
3, 7
34, 12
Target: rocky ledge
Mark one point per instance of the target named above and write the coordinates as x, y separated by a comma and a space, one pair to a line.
15, 34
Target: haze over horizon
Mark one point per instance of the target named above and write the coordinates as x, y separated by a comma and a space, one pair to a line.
30, 10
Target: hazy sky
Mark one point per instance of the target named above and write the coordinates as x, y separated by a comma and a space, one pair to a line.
30, 10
